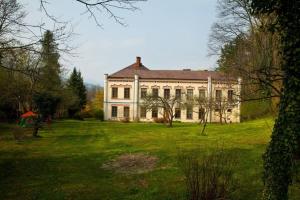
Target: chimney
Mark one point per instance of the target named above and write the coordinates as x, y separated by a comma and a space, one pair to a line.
138, 61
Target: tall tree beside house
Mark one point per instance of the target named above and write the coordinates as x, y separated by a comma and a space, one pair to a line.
50, 69
76, 85
279, 158
50, 84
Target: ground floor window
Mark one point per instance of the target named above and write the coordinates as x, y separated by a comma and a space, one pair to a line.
201, 114
114, 111
143, 112
154, 112
177, 113
189, 113
126, 112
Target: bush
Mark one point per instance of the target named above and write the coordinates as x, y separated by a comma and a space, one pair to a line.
160, 120
210, 177
87, 114
125, 120
99, 114
78, 116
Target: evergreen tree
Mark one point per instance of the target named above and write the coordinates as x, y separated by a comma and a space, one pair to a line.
50, 69
76, 85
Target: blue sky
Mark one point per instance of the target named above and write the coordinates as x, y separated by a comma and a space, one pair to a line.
167, 34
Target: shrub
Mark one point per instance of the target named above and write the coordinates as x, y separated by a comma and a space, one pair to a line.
87, 114
99, 114
210, 177
125, 120
160, 120
78, 116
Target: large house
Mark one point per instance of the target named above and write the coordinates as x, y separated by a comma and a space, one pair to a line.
125, 89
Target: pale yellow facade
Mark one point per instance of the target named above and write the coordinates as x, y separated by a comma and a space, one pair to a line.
114, 107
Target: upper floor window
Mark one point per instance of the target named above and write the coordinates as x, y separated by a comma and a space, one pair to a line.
126, 93
114, 111
201, 93
114, 92
189, 94
178, 93
230, 96
167, 93
155, 92
218, 95
143, 92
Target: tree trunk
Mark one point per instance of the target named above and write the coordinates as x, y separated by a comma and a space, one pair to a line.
203, 129
171, 122
35, 131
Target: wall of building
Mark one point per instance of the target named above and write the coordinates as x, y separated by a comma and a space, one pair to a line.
135, 101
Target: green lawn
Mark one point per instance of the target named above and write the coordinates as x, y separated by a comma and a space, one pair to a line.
66, 163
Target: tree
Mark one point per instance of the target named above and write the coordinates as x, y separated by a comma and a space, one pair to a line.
167, 104
205, 107
76, 85
248, 50
221, 107
46, 103
96, 8
285, 141
50, 69
234, 20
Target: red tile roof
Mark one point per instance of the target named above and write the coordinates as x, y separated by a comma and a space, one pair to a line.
144, 73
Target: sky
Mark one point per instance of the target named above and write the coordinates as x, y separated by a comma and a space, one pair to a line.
167, 34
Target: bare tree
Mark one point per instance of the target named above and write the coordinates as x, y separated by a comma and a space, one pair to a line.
222, 107
205, 107
96, 8
247, 48
234, 20
167, 104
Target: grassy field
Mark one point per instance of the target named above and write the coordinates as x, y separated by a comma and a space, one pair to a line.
66, 163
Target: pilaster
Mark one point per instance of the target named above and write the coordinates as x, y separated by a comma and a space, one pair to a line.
136, 98
239, 89
105, 97
209, 96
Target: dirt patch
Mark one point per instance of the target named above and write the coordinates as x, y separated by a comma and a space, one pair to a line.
132, 164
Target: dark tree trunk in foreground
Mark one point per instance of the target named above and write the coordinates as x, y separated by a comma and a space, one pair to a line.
280, 154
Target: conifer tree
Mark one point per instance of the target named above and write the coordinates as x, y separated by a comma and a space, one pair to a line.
50, 69
76, 85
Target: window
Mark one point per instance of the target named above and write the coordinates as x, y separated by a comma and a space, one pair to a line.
218, 95
126, 93
143, 112
167, 93
178, 93
114, 111
189, 94
155, 92
154, 112
202, 93
201, 114
114, 93
177, 113
143, 92
230, 96
126, 112
189, 112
